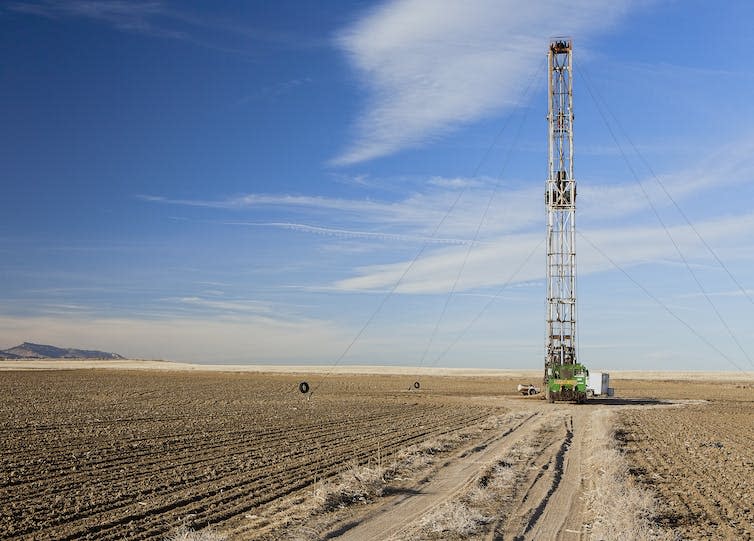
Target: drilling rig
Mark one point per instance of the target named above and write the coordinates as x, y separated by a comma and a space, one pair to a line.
564, 377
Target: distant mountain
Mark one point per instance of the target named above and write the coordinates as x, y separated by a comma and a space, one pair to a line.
27, 350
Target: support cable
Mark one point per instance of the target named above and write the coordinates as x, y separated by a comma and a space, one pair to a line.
489, 303
421, 251
676, 205
664, 226
388, 295
482, 219
662, 304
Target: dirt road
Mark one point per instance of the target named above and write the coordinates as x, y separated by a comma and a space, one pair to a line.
681, 467
455, 478
544, 450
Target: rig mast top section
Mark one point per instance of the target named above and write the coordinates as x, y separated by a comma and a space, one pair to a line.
560, 200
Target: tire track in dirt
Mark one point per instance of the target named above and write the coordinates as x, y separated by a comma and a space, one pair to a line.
538, 475
263, 519
454, 478
559, 514
548, 484
544, 501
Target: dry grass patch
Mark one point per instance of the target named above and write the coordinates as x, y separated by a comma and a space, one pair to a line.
358, 484
619, 508
456, 519
184, 533
486, 501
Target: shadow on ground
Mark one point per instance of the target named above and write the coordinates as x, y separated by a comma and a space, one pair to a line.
615, 401
627, 401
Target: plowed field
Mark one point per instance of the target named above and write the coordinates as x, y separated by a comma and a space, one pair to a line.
134, 454
698, 459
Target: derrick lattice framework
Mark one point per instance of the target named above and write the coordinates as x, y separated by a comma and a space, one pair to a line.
560, 200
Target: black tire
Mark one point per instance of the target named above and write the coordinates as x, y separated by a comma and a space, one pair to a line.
416, 385
303, 387
532, 391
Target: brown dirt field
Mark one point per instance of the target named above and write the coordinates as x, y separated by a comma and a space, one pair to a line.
698, 459
134, 454
131, 455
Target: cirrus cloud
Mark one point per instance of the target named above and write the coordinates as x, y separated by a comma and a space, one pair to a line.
430, 65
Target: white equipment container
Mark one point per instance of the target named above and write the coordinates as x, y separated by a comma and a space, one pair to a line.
598, 384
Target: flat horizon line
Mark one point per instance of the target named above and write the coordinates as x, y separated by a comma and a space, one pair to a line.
524, 373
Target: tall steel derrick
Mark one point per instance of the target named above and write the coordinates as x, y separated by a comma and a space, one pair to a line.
560, 200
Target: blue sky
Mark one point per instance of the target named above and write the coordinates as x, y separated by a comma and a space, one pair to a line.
248, 181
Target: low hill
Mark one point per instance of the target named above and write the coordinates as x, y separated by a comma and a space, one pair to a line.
27, 350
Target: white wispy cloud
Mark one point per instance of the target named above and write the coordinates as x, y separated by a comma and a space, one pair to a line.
493, 264
416, 215
258, 200
513, 226
430, 65
747, 293
729, 164
351, 233
225, 306
455, 183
